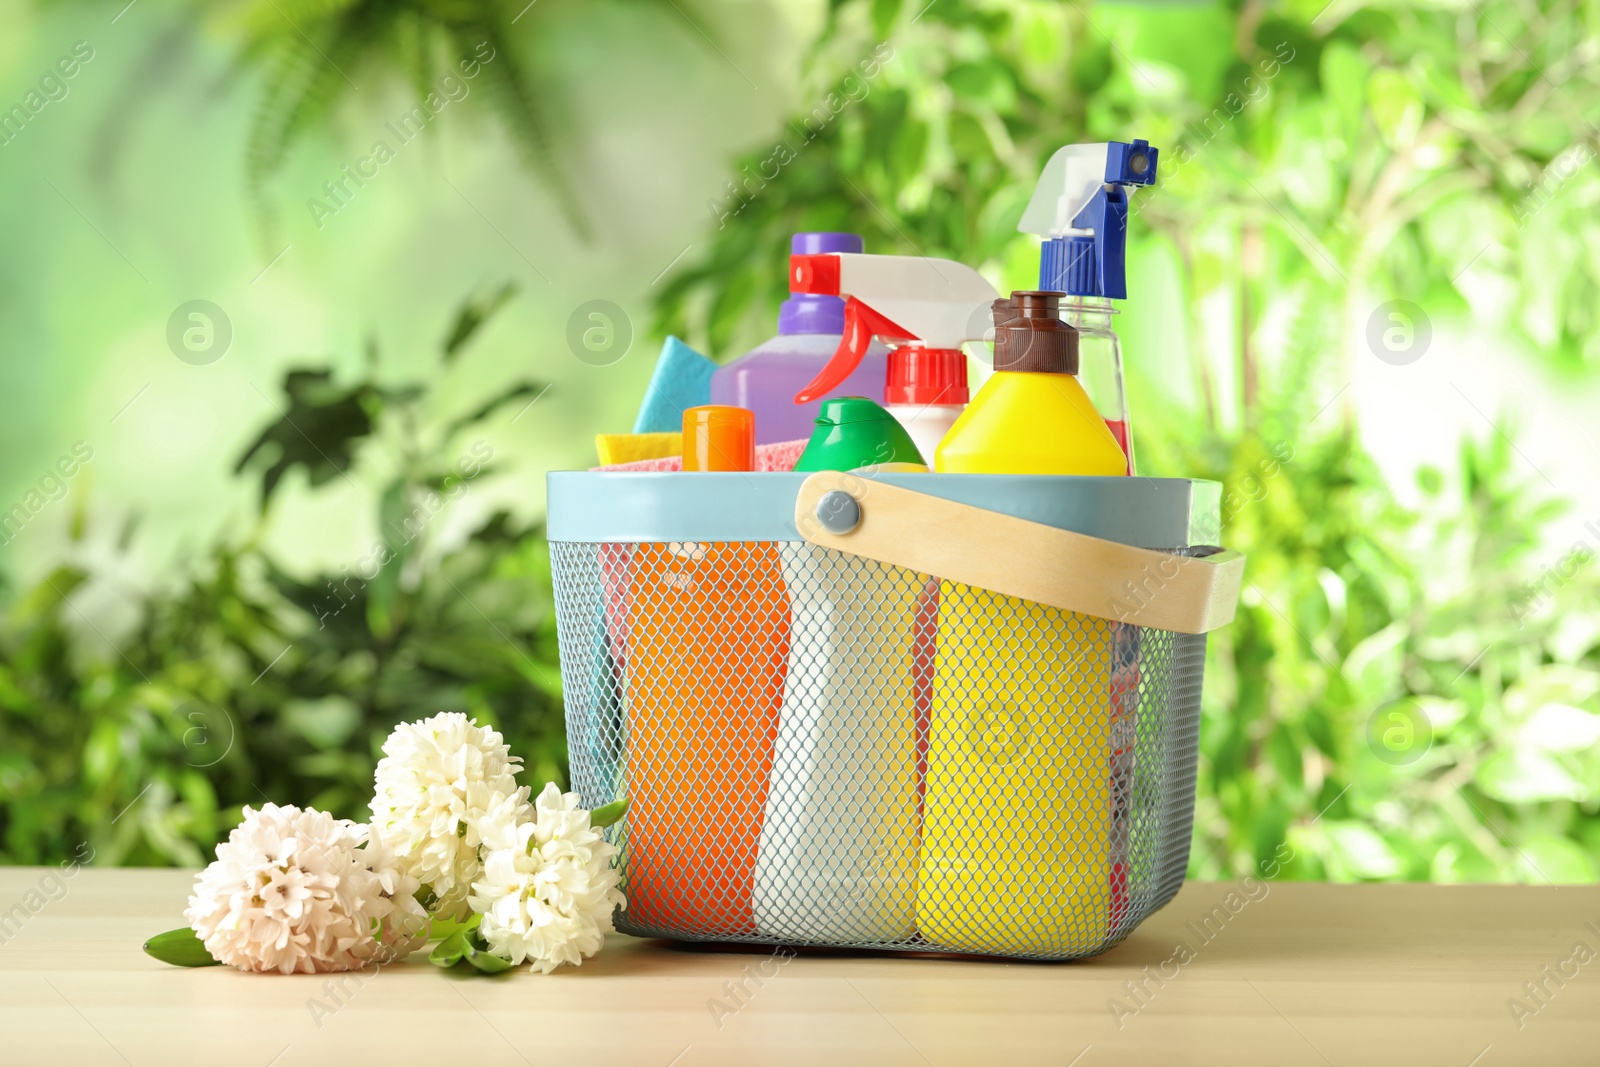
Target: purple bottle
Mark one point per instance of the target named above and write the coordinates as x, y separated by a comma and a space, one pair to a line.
766, 378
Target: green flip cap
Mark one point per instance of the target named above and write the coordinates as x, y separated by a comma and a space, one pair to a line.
854, 432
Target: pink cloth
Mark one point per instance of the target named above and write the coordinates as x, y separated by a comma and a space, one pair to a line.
780, 456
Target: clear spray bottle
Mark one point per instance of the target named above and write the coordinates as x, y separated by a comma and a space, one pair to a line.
1080, 208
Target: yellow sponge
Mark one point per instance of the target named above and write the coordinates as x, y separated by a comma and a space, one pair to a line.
629, 447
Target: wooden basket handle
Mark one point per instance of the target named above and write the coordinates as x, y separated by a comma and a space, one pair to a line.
858, 514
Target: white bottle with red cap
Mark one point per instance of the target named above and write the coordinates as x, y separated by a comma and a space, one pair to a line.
925, 308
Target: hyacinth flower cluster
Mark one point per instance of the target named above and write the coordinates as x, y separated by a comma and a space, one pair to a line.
455, 851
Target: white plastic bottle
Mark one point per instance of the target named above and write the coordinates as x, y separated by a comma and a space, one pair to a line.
1080, 208
839, 846
926, 392
837, 858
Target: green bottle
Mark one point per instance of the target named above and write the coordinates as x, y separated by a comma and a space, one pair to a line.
854, 432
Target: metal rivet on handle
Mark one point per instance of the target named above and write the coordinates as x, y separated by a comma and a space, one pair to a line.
838, 512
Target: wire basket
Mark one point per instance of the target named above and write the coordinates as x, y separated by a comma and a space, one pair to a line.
874, 714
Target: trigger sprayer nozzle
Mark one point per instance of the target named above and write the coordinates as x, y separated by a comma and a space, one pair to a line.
1080, 208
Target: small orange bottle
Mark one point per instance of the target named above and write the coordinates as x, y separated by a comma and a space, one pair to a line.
708, 648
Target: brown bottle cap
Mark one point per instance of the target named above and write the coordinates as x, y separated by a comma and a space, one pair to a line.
1029, 335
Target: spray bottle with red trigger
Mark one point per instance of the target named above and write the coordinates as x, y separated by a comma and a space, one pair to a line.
1080, 208
926, 308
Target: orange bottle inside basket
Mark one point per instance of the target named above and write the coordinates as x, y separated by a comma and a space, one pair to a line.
709, 644
708, 647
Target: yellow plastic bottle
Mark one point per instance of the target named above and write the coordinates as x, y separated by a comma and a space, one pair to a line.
1018, 845
1031, 416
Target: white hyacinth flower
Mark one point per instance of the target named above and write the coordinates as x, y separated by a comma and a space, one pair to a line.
295, 890
548, 888
437, 781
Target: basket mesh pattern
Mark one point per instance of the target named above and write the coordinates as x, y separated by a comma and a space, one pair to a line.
822, 749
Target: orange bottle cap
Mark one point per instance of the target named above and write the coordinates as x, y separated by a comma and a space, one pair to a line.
718, 437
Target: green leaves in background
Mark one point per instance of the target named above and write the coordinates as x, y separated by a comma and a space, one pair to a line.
1314, 164
312, 54
246, 679
310, 51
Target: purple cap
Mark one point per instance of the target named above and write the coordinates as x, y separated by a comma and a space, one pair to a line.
822, 244
811, 312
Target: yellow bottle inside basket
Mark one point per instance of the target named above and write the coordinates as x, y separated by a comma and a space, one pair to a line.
1019, 826
1016, 837
1032, 415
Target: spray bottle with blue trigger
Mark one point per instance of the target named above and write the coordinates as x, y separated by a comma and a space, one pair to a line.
1080, 208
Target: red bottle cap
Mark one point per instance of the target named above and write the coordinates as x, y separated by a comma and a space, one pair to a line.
920, 375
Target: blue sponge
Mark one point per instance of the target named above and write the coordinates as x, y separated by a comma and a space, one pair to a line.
682, 380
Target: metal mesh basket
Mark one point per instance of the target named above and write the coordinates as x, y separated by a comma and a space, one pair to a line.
821, 748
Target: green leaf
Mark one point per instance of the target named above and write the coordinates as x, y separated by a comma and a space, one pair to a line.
479, 956
442, 929
1363, 852
51, 593
909, 149
884, 14
1344, 80
265, 18
606, 814
320, 430
473, 314
1556, 859
1395, 105
515, 391
181, 948
308, 79
1524, 776
1092, 63
465, 944
971, 80
968, 138
326, 723
448, 952
1561, 728
1044, 39
509, 86
1373, 667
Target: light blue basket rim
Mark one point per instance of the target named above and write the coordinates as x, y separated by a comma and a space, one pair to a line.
1158, 513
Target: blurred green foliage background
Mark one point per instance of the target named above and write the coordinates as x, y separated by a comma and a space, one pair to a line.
272, 559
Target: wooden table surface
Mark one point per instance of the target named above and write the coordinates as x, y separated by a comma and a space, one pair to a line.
1301, 974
